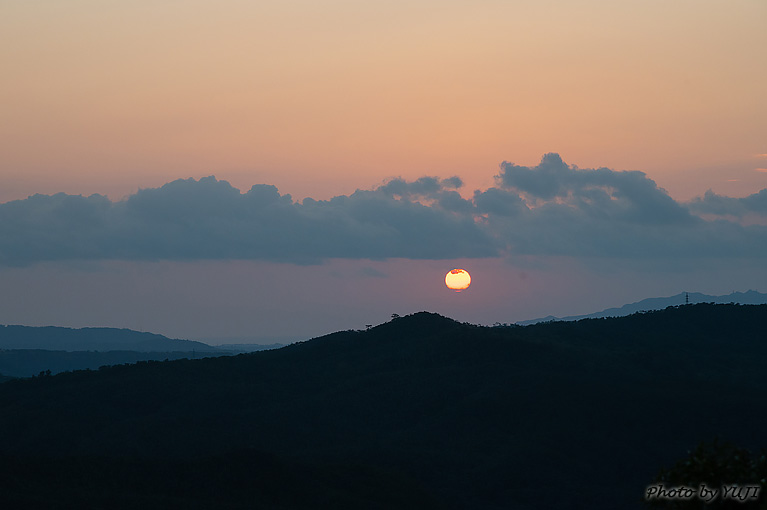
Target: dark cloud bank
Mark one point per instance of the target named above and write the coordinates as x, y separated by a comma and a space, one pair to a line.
549, 209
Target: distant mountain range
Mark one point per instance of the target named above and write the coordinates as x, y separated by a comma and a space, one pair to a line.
93, 339
750, 297
26, 350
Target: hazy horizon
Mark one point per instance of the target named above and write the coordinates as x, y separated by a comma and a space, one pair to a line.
255, 339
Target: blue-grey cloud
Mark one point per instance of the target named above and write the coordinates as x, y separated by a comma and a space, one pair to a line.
603, 193
558, 209
499, 202
423, 187
718, 205
209, 219
549, 209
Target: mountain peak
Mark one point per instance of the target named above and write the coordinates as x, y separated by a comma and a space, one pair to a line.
420, 320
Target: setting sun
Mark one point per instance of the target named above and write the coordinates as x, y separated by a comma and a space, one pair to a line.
458, 280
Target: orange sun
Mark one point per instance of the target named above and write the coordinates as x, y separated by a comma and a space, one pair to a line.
458, 280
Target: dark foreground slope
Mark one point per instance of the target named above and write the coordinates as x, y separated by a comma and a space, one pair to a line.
420, 411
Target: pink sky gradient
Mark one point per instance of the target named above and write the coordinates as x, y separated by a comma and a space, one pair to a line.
321, 98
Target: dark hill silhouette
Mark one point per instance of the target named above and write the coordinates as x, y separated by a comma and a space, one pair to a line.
555, 415
93, 339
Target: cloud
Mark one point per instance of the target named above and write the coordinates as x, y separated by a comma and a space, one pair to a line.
209, 219
604, 193
549, 209
423, 187
558, 209
718, 205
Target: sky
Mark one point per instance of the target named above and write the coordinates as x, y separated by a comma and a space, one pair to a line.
256, 171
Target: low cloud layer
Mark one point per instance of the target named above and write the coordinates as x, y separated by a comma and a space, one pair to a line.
209, 219
718, 205
550, 209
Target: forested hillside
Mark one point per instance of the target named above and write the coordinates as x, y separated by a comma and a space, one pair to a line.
555, 415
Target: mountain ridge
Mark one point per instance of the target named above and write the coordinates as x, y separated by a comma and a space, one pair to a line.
60, 338
750, 297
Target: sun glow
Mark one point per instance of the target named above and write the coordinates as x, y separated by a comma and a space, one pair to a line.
458, 280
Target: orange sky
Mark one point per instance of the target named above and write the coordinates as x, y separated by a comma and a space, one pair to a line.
321, 98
